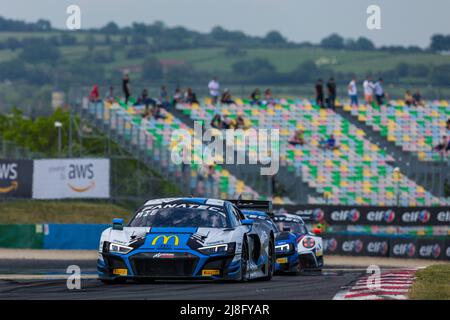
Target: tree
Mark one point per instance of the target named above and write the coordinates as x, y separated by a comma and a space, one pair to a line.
274, 38
440, 42
110, 28
39, 50
333, 41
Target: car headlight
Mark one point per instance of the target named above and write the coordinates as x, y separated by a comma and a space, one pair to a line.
220, 248
308, 243
119, 248
283, 247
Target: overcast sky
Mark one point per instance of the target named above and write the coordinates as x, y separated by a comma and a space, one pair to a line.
403, 22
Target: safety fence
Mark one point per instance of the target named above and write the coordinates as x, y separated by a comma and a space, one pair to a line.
437, 248
87, 236
51, 236
371, 215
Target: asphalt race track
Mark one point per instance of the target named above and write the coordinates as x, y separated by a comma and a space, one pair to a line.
44, 279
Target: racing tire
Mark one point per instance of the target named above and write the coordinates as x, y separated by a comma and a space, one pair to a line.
299, 270
271, 261
244, 261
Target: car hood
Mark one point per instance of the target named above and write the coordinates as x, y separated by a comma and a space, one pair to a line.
170, 238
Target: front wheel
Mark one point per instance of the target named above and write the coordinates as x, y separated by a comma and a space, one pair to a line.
270, 262
244, 261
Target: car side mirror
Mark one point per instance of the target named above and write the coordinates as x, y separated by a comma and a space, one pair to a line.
247, 222
287, 229
117, 224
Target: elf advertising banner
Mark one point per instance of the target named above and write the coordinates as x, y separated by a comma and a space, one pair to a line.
71, 178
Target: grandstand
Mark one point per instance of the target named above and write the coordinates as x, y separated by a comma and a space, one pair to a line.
358, 173
414, 129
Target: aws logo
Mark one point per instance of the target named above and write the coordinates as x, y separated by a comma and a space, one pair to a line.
163, 240
81, 172
8, 172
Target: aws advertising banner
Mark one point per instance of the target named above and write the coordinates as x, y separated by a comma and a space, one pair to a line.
15, 178
359, 215
71, 178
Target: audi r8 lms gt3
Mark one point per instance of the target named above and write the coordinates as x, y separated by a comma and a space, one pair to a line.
296, 248
186, 238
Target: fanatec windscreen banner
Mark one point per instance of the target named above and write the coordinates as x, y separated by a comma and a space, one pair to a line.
16, 178
384, 246
359, 215
71, 178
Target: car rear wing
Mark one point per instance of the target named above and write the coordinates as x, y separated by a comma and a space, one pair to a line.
257, 205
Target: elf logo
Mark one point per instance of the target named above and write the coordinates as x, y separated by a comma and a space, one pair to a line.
380, 247
428, 251
345, 215
404, 249
416, 216
352, 246
79, 172
387, 216
8, 171
443, 216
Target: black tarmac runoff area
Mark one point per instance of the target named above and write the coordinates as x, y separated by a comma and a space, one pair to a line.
44, 279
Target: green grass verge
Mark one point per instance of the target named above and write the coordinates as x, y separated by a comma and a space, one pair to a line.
432, 283
60, 212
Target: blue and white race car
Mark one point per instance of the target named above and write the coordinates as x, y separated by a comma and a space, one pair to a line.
186, 238
296, 248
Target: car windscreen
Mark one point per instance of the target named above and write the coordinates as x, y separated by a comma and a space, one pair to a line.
200, 216
294, 226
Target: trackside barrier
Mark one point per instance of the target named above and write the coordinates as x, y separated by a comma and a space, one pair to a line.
370, 215
22, 236
437, 248
73, 236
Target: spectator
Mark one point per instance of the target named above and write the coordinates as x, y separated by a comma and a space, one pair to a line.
379, 92
145, 100
240, 122
177, 97
226, 122
216, 121
214, 90
156, 112
297, 138
190, 96
268, 97
444, 146
322, 143
256, 97
448, 124
409, 100
164, 97
368, 87
126, 87
331, 143
353, 92
94, 95
226, 97
319, 93
331, 99
417, 99
110, 95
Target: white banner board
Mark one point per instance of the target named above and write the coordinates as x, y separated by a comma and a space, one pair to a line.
71, 178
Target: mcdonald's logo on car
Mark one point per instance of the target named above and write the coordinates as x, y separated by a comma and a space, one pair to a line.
165, 240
